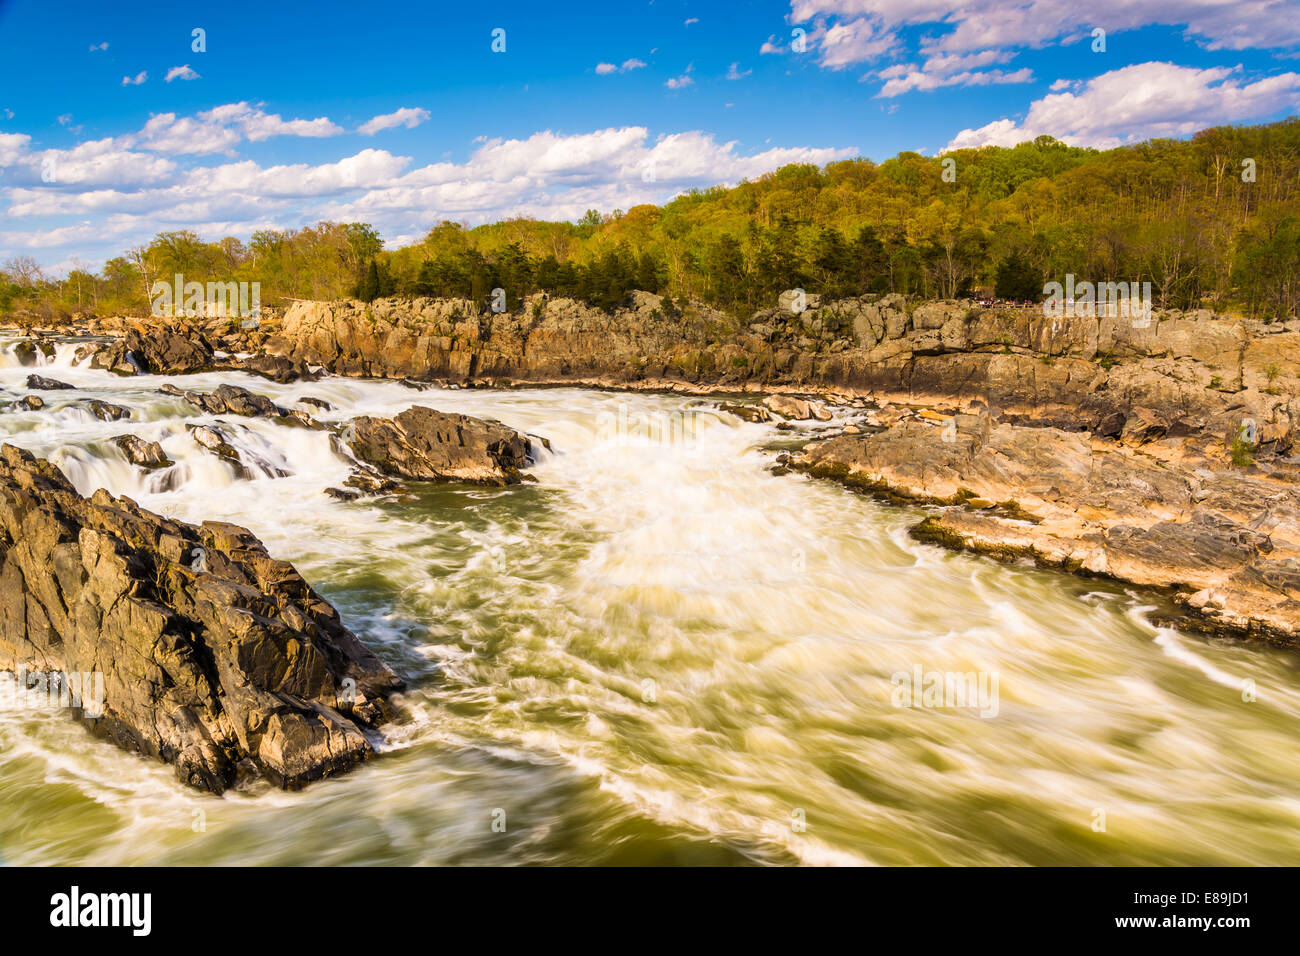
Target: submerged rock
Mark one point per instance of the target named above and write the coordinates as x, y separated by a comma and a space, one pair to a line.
107, 411
423, 444
214, 656
215, 439
747, 413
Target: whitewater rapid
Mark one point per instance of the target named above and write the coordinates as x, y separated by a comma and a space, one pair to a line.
662, 652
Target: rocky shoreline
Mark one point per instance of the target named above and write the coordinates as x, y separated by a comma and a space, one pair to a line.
1158, 452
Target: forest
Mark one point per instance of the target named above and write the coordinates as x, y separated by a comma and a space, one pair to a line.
1212, 221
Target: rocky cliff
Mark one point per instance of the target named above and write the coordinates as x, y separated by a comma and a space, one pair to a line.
1188, 371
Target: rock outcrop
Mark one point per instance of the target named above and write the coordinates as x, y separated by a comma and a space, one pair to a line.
422, 444
1172, 513
214, 656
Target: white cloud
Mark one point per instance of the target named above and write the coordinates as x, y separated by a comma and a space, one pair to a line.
691, 20
553, 176
117, 196
99, 46
917, 80
853, 42
604, 69
12, 145
734, 72
770, 45
1009, 24
180, 73
678, 82
1141, 101
220, 129
136, 80
407, 116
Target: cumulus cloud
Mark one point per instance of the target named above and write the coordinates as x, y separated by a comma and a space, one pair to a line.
99, 46
555, 176
1141, 101
180, 73
118, 196
220, 129
136, 80
856, 41
1009, 24
407, 116
734, 72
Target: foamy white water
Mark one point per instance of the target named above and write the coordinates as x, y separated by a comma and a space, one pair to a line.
662, 653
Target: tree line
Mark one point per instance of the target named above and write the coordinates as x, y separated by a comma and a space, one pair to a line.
1212, 221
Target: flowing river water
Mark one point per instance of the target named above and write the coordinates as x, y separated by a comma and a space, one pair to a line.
662, 653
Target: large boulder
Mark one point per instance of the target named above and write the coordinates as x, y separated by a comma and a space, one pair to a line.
423, 444
213, 655
170, 350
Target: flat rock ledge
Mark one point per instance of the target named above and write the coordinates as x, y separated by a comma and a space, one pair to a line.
216, 657
1170, 514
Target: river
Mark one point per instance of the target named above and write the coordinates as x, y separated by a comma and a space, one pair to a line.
661, 653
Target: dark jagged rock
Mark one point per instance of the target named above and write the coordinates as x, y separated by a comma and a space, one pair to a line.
107, 411
316, 403
170, 349
233, 400
215, 657
33, 403
146, 454
47, 384
423, 444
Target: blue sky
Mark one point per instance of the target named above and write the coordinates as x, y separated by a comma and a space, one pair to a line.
113, 127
